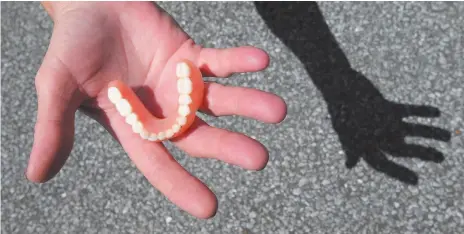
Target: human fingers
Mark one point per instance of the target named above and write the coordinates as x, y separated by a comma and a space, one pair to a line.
223, 100
161, 169
225, 62
204, 141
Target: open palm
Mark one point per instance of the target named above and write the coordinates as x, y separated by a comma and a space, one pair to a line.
96, 42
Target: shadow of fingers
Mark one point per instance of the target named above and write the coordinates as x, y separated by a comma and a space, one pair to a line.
381, 163
415, 151
409, 110
420, 130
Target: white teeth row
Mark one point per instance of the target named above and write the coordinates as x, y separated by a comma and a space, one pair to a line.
125, 109
184, 87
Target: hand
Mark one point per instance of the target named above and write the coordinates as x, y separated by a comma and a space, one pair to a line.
136, 42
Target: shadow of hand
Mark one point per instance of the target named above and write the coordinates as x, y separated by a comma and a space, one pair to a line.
368, 125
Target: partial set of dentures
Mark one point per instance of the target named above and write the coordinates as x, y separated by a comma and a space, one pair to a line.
190, 87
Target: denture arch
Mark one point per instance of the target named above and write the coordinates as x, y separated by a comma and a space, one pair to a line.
190, 88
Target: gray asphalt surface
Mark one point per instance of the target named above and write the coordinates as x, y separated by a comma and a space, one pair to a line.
411, 52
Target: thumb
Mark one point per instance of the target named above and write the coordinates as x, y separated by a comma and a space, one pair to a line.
58, 99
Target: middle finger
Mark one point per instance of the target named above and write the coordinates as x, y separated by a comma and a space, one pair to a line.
223, 100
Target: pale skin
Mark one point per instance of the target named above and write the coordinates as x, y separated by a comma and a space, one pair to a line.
94, 43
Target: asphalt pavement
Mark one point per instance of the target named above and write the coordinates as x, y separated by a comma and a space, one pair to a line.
353, 75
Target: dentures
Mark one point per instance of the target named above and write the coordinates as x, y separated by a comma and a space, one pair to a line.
190, 88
